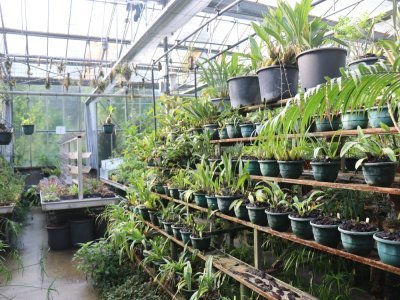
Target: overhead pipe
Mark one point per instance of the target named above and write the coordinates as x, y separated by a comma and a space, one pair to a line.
32, 93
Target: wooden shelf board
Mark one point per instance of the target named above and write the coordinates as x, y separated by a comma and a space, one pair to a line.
114, 184
372, 261
264, 105
245, 274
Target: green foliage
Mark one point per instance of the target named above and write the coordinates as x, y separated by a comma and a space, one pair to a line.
209, 281
274, 195
326, 149
308, 205
291, 149
11, 184
230, 183
28, 120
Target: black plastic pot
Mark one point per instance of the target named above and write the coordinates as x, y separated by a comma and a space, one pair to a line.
326, 124
244, 91
327, 235
81, 231
176, 232
173, 193
316, 64
350, 163
144, 212
366, 61
278, 82
166, 190
212, 202
28, 129
224, 202
380, 173
221, 103
186, 237
159, 189
360, 243
200, 199
269, 168
257, 215
291, 169
353, 119
5, 138
187, 294
325, 171
108, 128
379, 116
278, 221
181, 194
213, 130
233, 131
202, 244
301, 227
241, 212
58, 236
153, 217
168, 227
247, 130
253, 167
223, 133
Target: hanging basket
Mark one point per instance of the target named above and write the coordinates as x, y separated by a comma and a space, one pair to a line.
108, 128
28, 129
5, 138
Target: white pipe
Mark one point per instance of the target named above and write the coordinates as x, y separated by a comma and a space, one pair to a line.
47, 94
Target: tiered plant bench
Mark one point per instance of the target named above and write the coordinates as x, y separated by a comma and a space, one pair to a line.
8, 209
114, 184
265, 285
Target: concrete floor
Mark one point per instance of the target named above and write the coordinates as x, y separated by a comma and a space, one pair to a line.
59, 272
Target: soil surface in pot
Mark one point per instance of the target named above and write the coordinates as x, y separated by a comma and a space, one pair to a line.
313, 214
245, 157
185, 229
279, 209
321, 220
179, 225
325, 159
196, 236
389, 236
357, 226
258, 204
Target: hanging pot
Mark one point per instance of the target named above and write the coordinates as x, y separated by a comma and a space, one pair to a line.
5, 138
244, 91
28, 129
278, 82
316, 64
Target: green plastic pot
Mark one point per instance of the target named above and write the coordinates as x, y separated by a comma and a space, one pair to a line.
324, 124
269, 168
213, 130
325, 171
388, 251
290, 169
253, 167
327, 235
224, 202
360, 243
153, 217
212, 202
187, 294
174, 193
233, 131
247, 130
223, 133
278, 221
181, 194
353, 119
176, 232
200, 199
259, 128
241, 212
159, 189
380, 116
186, 237
380, 173
28, 129
144, 212
168, 227
202, 244
301, 227
257, 215
166, 190
108, 128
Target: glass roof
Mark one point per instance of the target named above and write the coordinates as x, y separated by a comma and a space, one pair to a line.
89, 35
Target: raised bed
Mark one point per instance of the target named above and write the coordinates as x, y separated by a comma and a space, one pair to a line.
8, 209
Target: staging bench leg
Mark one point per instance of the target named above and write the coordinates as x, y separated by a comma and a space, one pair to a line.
258, 260
174, 251
245, 292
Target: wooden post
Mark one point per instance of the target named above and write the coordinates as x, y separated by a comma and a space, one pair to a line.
257, 249
245, 292
174, 251
80, 167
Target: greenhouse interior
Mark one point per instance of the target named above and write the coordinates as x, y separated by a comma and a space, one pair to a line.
199, 149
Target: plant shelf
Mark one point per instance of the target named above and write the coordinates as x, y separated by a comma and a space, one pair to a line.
114, 184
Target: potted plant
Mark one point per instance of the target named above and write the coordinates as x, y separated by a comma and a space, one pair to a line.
257, 206
244, 89
210, 283
168, 217
176, 227
259, 117
325, 231
239, 208
186, 231
154, 256
315, 64
250, 157
232, 119
178, 184
215, 75
327, 122
326, 163
28, 125
305, 211
388, 244
170, 271
278, 74
268, 164
201, 240
357, 237
202, 184
380, 116
290, 156
230, 186
187, 286
108, 126
280, 204
380, 161
247, 128
5, 134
